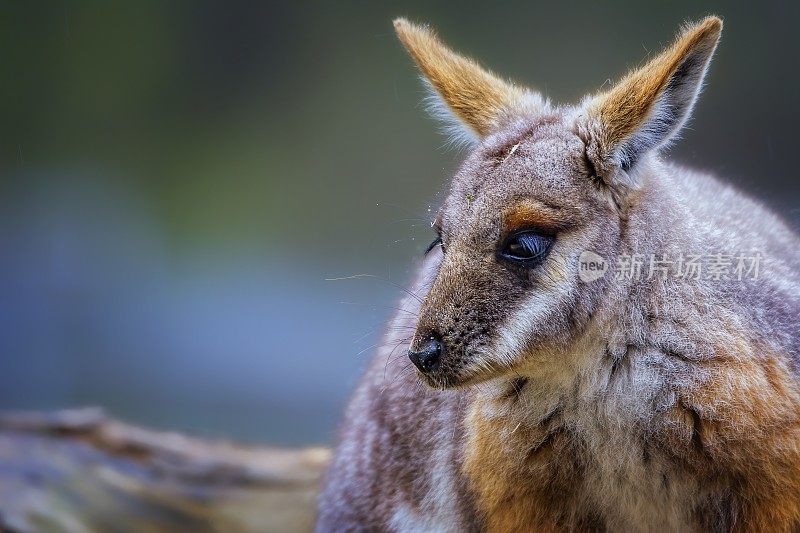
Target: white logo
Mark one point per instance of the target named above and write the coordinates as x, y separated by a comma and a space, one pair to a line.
591, 266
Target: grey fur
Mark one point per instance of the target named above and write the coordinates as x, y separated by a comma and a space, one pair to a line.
601, 362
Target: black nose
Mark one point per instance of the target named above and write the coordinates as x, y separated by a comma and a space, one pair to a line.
428, 357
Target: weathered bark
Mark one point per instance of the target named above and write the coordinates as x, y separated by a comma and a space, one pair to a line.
79, 470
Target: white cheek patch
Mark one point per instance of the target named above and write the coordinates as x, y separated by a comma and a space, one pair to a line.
512, 337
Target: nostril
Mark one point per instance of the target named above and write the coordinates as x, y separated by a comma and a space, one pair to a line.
427, 358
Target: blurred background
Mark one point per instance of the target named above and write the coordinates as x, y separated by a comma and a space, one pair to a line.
179, 180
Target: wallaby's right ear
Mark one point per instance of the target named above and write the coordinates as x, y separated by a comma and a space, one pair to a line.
475, 101
644, 110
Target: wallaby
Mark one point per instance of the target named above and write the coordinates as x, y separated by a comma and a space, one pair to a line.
608, 341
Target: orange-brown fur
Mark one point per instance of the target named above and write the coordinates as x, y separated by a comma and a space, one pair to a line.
532, 214
746, 426
610, 403
475, 95
623, 109
739, 423
510, 493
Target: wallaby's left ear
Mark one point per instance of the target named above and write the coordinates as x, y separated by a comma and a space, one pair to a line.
644, 110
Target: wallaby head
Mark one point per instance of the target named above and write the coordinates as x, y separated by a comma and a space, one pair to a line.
541, 185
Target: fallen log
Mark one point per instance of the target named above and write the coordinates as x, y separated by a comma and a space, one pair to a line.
79, 470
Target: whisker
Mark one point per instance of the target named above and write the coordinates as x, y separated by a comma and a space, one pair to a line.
399, 374
374, 276
376, 306
391, 353
379, 345
378, 327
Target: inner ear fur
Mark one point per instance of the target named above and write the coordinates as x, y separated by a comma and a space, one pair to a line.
649, 105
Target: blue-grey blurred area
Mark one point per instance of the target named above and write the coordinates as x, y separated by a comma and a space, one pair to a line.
180, 180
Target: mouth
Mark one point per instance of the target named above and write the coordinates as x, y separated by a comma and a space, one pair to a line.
439, 380
456, 377
442, 368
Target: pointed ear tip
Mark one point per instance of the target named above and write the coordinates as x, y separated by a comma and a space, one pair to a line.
403, 27
713, 23
710, 26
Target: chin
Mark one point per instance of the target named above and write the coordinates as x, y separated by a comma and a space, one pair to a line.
462, 378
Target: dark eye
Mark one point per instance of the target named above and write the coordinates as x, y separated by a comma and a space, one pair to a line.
526, 248
436, 242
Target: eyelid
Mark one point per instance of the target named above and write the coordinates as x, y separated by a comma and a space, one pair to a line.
534, 261
538, 230
436, 242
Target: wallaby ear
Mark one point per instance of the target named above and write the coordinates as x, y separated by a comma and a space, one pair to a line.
644, 110
475, 100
